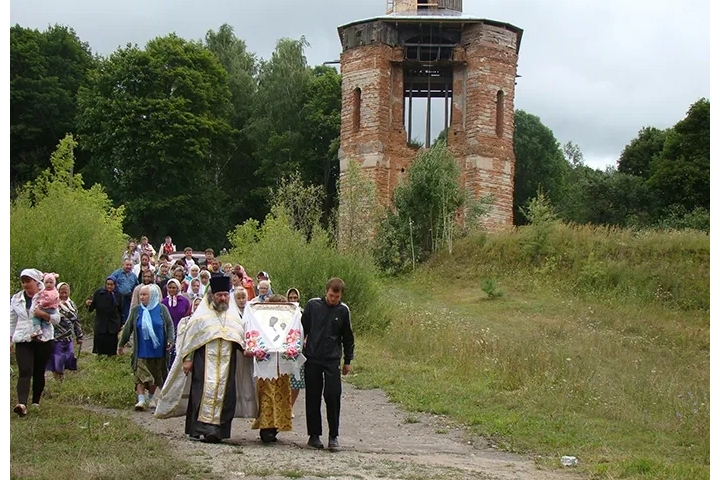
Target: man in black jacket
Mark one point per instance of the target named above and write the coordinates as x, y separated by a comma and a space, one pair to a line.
328, 331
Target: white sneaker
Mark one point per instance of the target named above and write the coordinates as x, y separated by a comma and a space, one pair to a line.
152, 404
140, 406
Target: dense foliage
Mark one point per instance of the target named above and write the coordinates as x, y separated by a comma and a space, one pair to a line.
56, 225
193, 137
662, 176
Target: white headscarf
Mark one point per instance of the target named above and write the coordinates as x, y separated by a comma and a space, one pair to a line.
172, 299
146, 319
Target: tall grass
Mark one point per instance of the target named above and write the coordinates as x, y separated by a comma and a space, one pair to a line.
294, 261
573, 359
652, 267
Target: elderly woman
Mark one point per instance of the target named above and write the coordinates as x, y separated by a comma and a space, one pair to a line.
263, 292
32, 354
63, 355
178, 305
108, 303
151, 325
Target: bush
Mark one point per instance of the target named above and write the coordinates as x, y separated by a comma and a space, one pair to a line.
680, 219
293, 261
424, 217
56, 225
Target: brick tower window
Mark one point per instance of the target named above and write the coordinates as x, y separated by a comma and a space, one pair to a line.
357, 101
500, 113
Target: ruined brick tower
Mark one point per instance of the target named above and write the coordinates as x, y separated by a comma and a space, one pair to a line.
422, 50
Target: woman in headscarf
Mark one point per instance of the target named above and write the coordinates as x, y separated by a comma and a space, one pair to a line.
204, 281
179, 276
178, 305
63, 354
263, 292
296, 383
194, 291
151, 325
274, 398
108, 304
244, 280
240, 296
31, 354
193, 273
162, 274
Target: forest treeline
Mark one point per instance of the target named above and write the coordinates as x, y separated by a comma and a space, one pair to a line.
191, 137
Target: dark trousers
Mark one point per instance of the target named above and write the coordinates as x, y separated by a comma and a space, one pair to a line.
127, 300
322, 380
31, 359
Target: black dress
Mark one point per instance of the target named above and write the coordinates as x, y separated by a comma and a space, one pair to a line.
193, 426
108, 321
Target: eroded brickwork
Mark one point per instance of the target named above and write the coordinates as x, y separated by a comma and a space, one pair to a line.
485, 63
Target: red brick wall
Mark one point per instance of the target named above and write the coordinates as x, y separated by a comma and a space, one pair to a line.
380, 144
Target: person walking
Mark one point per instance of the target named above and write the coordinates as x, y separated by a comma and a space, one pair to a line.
152, 327
125, 283
63, 355
108, 319
32, 354
328, 333
204, 383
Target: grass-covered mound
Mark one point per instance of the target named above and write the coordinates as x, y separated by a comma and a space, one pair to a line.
599, 346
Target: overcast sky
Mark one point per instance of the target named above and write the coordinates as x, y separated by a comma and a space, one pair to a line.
594, 71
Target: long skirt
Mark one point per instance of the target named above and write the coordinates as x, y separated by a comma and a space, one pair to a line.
62, 357
275, 404
105, 343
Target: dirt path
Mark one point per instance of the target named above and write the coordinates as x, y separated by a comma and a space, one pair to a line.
379, 441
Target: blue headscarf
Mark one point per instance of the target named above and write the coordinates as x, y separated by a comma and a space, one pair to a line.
146, 319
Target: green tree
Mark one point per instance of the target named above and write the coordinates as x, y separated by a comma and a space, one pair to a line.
275, 127
320, 126
681, 173
235, 172
57, 225
607, 198
539, 163
46, 70
424, 218
157, 124
638, 156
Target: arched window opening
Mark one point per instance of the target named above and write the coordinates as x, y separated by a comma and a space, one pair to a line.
357, 100
500, 113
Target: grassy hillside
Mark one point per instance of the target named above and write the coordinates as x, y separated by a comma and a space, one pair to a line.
598, 347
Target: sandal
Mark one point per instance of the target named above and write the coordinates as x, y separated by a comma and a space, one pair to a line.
20, 409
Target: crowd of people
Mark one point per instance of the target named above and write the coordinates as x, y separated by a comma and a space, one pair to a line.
193, 353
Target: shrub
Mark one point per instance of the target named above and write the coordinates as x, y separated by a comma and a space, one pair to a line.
56, 225
424, 217
489, 286
293, 261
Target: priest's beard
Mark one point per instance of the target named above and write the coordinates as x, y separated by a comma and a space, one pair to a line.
220, 307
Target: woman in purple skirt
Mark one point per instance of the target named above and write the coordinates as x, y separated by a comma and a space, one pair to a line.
178, 305
63, 355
